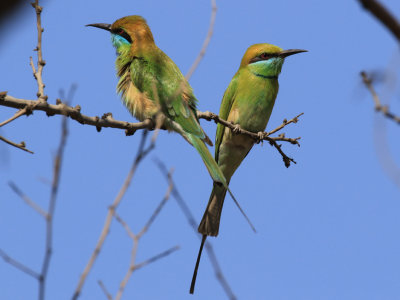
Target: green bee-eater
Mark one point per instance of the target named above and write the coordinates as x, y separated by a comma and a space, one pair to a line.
151, 84
248, 102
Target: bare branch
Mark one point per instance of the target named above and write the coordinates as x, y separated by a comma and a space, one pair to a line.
206, 41
159, 207
125, 225
108, 121
383, 15
50, 213
258, 137
27, 200
19, 146
26, 110
192, 222
104, 289
18, 265
384, 109
40, 62
156, 257
142, 152
74, 113
284, 123
136, 238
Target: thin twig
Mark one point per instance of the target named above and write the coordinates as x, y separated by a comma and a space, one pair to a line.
206, 41
104, 289
192, 222
40, 62
21, 145
383, 15
284, 123
384, 109
156, 257
159, 207
27, 200
125, 225
18, 265
136, 238
260, 136
142, 152
51, 209
26, 110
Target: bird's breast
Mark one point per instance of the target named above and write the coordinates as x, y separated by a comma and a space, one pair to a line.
139, 104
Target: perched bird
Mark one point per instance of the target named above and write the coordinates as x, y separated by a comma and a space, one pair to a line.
248, 102
152, 85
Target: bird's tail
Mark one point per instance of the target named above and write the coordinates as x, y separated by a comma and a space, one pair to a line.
217, 176
209, 224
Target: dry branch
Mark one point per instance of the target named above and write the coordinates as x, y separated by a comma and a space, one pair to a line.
52, 203
192, 222
141, 154
108, 121
383, 15
37, 73
206, 41
27, 200
384, 109
48, 216
18, 265
136, 237
104, 289
21, 145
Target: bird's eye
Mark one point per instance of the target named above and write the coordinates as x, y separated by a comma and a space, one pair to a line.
264, 56
124, 34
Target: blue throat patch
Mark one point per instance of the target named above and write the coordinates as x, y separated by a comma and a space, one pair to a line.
118, 40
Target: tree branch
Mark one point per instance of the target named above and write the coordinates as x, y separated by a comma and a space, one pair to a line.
27, 200
192, 222
74, 113
40, 62
142, 152
108, 121
260, 136
136, 238
383, 15
156, 257
18, 265
104, 289
384, 109
51, 209
206, 41
19, 146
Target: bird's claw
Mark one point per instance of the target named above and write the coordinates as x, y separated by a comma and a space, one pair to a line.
260, 137
236, 128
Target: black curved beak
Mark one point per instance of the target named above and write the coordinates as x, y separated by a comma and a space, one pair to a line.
286, 53
104, 26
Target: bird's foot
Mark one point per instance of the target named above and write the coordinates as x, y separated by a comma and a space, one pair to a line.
260, 137
236, 128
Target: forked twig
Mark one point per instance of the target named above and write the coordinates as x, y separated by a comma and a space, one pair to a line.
384, 109
192, 222
141, 154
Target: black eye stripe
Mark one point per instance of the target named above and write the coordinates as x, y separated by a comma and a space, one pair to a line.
123, 34
263, 56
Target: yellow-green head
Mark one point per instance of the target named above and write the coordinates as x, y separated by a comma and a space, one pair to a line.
266, 60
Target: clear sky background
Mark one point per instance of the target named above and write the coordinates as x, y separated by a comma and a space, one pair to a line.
328, 227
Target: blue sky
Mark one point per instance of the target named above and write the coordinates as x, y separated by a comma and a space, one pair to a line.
327, 227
